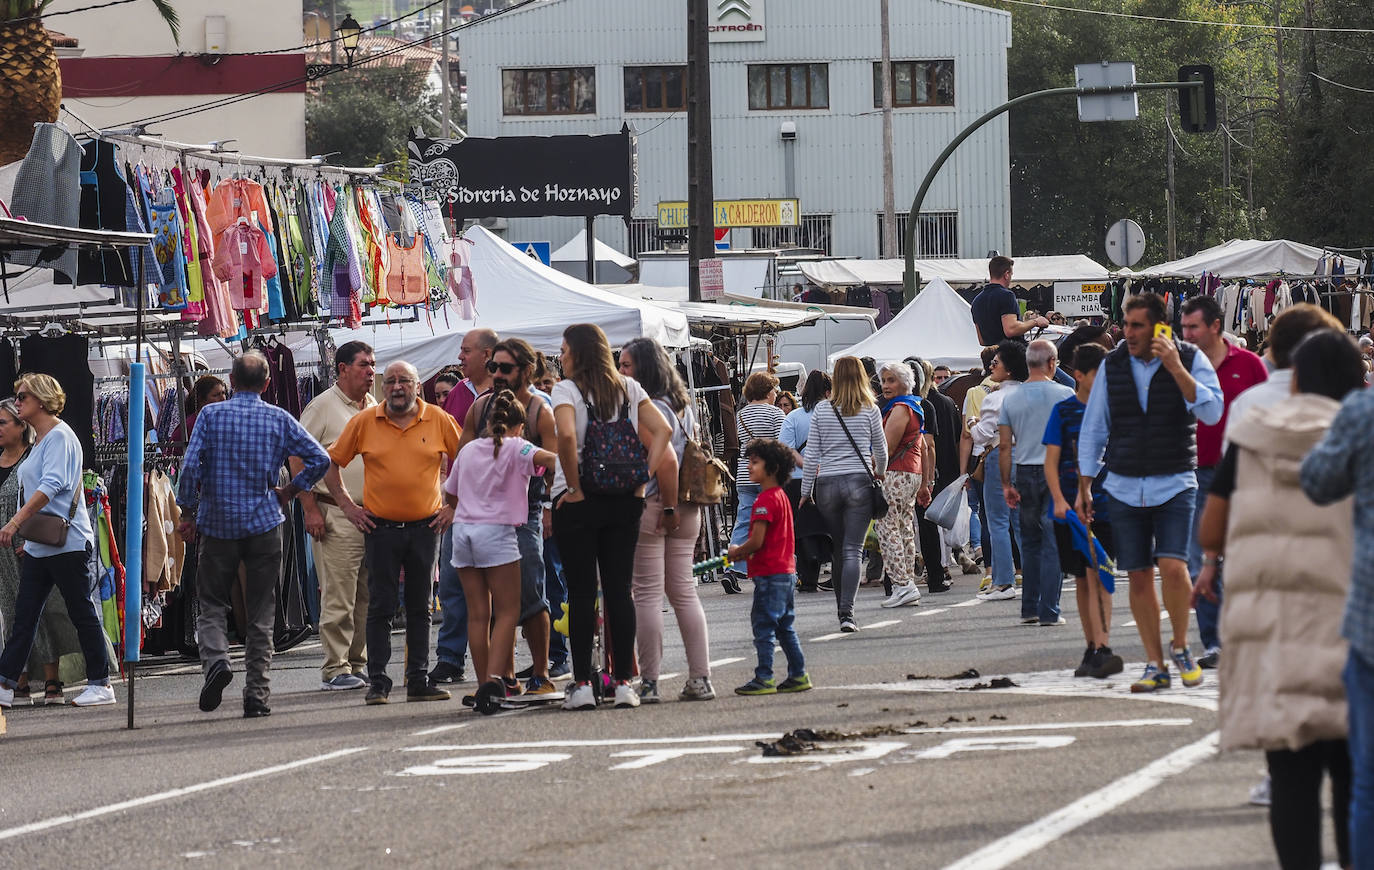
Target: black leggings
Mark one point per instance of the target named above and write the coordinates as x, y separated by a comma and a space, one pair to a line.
598, 535
1295, 811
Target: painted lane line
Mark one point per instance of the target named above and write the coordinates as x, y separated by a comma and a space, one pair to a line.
59, 821
932, 611
574, 744
440, 730
872, 625
720, 663
884, 624
1053, 726
1163, 617
1038, 834
970, 603
836, 636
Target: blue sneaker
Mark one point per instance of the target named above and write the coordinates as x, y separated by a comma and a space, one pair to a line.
1188, 670
1152, 680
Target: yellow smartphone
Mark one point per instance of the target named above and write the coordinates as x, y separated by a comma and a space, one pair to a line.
1164, 330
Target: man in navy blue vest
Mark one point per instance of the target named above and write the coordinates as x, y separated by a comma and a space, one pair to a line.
1141, 422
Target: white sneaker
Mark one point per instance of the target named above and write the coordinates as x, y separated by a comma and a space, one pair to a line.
6, 698
580, 697
905, 593
848, 625
625, 695
1259, 795
94, 696
998, 593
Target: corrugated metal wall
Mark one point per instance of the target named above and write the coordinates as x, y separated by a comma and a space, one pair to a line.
839, 157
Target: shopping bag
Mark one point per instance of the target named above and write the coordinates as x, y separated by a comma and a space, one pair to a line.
944, 508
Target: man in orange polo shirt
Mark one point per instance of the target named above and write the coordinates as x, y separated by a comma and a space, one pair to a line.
402, 442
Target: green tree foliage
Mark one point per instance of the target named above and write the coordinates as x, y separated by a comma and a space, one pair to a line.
366, 114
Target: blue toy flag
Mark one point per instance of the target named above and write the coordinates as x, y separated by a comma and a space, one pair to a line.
1087, 544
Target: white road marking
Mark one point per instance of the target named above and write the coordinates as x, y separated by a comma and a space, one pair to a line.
884, 624
134, 803
1038, 834
649, 757
440, 730
720, 663
864, 750
931, 612
970, 603
1051, 726
834, 636
573, 744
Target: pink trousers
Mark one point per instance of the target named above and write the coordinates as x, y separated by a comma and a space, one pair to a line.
663, 564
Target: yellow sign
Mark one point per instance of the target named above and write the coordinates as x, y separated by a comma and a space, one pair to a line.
1094, 288
732, 213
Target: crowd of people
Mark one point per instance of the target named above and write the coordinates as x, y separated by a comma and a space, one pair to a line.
1214, 480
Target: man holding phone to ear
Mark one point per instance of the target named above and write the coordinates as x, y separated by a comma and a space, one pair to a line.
1141, 423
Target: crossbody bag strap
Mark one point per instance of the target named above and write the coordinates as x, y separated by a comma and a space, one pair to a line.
76, 499
853, 443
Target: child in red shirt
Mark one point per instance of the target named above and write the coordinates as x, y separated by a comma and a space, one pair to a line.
773, 568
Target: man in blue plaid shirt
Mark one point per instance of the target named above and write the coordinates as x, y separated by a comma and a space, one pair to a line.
229, 484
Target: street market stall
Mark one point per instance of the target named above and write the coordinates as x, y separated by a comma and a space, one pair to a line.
936, 326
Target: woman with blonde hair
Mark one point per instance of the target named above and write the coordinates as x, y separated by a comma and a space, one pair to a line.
611, 440
51, 486
845, 446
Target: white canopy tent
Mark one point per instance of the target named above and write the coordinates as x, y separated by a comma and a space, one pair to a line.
612, 267
1243, 258
751, 317
936, 326
888, 273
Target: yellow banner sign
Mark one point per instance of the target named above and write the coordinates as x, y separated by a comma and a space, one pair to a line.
732, 213
1094, 288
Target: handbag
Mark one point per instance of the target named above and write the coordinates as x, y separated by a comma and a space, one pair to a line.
977, 468
48, 529
876, 496
701, 477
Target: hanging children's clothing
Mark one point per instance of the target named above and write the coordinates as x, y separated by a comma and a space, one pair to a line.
47, 190
405, 283
243, 261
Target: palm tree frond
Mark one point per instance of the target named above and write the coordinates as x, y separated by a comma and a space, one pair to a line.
164, 8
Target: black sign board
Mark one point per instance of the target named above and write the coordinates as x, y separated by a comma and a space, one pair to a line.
528, 176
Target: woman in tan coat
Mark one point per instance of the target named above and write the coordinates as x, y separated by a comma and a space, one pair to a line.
1287, 570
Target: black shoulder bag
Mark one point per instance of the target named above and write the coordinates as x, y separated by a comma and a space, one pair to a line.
875, 492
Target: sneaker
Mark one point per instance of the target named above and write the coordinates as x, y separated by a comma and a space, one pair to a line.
1105, 664
1152, 680
998, 593
213, 691
540, 686
489, 696
255, 709
697, 689
795, 684
648, 692
1188, 671
907, 593
730, 583
1018, 579
625, 695
342, 683
1060, 621
825, 586
427, 692
445, 672
6, 698
848, 625
560, 672
757, 687
94, 696
1030, 620
1089, 656
581, 697
1210, 659
377, 695
985, 584
1260, 794
525, 673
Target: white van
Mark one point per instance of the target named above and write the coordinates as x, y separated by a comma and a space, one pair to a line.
812, 345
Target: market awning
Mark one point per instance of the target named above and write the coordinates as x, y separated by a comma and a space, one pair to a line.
1243, 258
888, 273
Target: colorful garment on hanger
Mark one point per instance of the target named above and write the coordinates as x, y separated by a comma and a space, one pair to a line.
47, 190
461, 287
244, 261
406, 283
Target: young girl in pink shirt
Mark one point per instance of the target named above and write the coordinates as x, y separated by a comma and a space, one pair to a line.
490, 479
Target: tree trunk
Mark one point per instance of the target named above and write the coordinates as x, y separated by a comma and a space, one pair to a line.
30, 85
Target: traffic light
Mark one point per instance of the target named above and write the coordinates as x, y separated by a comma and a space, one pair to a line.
1197, 107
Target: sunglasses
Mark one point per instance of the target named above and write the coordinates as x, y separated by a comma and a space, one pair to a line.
504, 368
22, 397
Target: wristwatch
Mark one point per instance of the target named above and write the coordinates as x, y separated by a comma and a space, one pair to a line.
670, 510
1213, 561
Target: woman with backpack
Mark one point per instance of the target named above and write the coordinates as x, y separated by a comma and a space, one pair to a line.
846, 443
663, 557
611, 440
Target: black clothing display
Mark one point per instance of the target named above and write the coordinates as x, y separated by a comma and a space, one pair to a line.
65, 358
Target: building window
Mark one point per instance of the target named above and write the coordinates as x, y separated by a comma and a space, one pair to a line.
644, 236
655, 88
916, 83
937, 235
789, 86
561, 91
814, 232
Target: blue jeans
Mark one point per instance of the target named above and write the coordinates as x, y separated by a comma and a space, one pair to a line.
452, 645
1003, 524
747, 494
38, 575
1042, 581
1146, 534
1359, 695
530, 538
556, 590
978, 523
772, 617
1208, 614
847, 507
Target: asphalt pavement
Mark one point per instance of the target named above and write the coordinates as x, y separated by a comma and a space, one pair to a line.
900, 767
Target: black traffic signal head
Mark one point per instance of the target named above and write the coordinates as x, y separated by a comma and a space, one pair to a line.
1197, 106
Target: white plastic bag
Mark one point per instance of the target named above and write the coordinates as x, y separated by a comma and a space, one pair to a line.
957, 537
944, 508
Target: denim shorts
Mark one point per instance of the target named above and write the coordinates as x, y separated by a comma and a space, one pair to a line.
484, 545
1144, 534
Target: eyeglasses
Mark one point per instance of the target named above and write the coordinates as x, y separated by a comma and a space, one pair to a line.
504, 368
22, 397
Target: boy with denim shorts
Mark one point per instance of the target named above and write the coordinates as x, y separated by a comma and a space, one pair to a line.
770, 551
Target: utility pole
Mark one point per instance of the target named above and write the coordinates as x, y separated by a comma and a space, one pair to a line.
447, 96
1169, 193
889, 196
333, 37
701, 220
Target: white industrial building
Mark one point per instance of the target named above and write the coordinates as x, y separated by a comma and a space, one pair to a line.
794, 98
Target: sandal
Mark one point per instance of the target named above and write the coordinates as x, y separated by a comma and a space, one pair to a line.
52, 693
